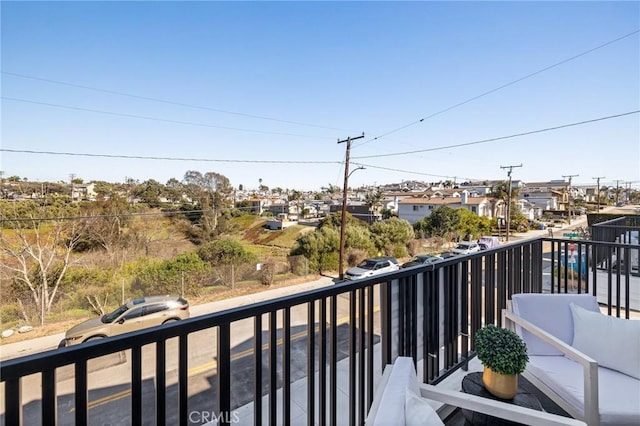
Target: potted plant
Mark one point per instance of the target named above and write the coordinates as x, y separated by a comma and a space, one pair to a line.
504, 355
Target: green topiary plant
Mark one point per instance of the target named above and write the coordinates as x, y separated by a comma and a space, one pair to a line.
502, 350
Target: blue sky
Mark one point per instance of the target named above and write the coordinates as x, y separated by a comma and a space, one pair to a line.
264, 90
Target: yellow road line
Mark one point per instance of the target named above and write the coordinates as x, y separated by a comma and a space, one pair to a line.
212, 365
105, 399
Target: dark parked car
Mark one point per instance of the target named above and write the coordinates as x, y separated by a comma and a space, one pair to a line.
421, 259
447, 255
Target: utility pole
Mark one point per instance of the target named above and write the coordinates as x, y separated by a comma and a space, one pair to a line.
72, 176
618, 191
570, 196
343, 219
598, 191
509, 202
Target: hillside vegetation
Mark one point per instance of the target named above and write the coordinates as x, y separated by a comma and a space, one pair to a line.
87, 265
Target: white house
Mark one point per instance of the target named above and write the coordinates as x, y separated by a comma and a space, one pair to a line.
415, 209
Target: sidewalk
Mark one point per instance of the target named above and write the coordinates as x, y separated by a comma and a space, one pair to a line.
41, 344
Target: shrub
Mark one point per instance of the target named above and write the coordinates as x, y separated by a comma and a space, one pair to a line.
355, 256
268, 272
10, 313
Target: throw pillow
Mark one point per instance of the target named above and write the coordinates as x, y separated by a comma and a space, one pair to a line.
613, 342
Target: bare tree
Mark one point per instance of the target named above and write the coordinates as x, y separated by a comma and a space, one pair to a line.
37, 253
211, 191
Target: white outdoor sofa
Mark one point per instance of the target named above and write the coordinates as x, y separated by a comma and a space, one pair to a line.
400, 399
586, 362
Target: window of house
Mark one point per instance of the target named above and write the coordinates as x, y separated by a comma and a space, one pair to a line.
473, 209
415, 208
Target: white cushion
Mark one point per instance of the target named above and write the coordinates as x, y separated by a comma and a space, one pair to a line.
401, 403
613, 342
618, 396
419, 412
551, 313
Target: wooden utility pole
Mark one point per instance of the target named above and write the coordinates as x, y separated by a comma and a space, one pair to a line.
343, 219
509, 201
570, 197
618, 191
598, 191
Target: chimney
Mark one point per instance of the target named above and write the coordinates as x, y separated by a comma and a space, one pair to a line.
465, 197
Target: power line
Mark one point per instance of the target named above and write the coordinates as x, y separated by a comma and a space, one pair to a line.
145, 157
547, 129
165, 120
182, 104
409, 171
564, 61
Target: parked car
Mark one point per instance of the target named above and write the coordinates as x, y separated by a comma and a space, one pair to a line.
421, 259
466, 247
132, 316
371, 267
447, 255
488, 242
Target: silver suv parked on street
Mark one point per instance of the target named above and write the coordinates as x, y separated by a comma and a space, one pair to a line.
132, 316
371, 267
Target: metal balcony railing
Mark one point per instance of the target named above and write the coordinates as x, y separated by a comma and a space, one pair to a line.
312, 357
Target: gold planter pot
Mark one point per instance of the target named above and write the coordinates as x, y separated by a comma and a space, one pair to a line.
500, 385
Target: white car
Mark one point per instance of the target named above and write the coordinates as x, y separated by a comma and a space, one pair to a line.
371, 267
466, 247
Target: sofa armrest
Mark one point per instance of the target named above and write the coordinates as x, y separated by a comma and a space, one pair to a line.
590, 366
567, 350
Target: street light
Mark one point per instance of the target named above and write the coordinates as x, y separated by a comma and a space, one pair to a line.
509, 200
343, 218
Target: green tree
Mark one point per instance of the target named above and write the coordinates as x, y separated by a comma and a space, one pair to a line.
359, 237
150, 192
470, 224
186, 271
321, 247
228, 253
211, 192
442, 222
173, 190
501, 191
392, 235
374, 201
295, 197
387, 214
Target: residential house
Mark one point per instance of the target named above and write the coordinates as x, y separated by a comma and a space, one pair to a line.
415, 209
83, 191
359, 210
